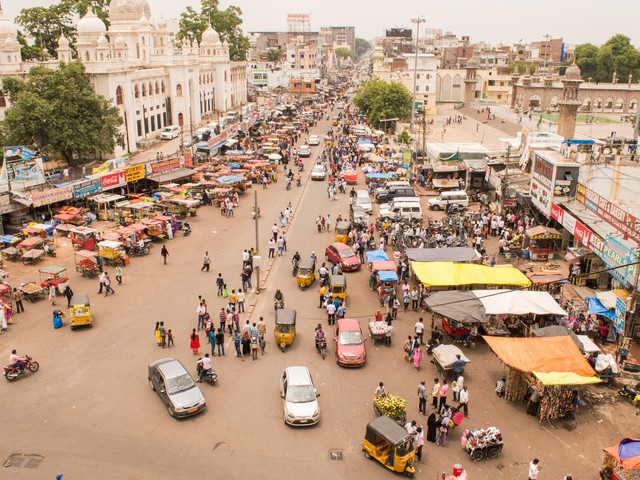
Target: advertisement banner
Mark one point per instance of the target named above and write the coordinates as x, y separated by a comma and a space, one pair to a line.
541, 197
53, 195
23, 152
134, 173
188, 160
557, 213
615, 254
83, 190
164, 166
620, 314
113, 180
102, 168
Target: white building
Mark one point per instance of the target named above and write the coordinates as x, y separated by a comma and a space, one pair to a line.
134, 64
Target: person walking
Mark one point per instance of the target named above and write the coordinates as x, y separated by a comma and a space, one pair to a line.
52, 294
417, 358
119, 275
17, 298
422, 398
444, 390
414, 299
156, 332
272, 248
220, 342
201, 311
419, 328
220, 284
206, 262
165, 253
68, 293
107, 285
435, 392
534, 469
432, 427
419, 443
163, 335
464, 400
169, 338
194, 342
240, 299
212, 341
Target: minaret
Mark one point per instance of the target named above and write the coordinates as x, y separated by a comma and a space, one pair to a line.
470, 81
570, 103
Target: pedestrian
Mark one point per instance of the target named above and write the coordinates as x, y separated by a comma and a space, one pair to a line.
206, 262
280, 245
406, 297
459, 384
163, 335
220, 342
68, 293
233, 299
169, 338
219, 284
435, 392
194, 343
225, 291
417, 358
240, 298
119, 274
331, 313
275, 230
387, 336
415, 296
156, 332
444, 390
419, 442
322, 292
534, 469
422, 398
237, 339
107, 285
165, 253
432, 427
464, 401
201, 312
442, 435
17, 298
212, 341
272, 248
52, 294
419, 328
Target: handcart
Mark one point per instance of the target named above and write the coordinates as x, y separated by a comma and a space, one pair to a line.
11, 253
32, 256
51, 275
391, 406
444, 356
32, 291
86, 263
111, 252
482, 443
378, 331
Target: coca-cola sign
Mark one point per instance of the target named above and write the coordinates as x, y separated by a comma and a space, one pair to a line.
113, 180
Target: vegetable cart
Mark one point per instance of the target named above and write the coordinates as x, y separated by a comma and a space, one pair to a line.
32, 256
86, 263
32, 291
110, 252
392, 406
378, 331
444, 356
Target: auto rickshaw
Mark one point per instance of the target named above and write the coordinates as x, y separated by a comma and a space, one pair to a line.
306, 272
285, 329
338, 287
328, 141
80, 312
342, 231
335, 121
390, 444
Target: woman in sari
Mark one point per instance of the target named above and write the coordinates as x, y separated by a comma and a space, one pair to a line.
417, 358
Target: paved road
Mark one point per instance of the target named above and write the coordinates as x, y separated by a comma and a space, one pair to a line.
90, 412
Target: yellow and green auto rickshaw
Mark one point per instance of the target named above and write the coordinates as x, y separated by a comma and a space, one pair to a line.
328, 141
335, 121
342, 231
80, 312
390, 444
306, 272
338, 287
285, 329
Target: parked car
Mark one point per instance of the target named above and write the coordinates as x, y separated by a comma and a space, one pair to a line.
299, 397
314, 140
349, 340
170, 132
318, 173
304, 151
343, 254
176, 388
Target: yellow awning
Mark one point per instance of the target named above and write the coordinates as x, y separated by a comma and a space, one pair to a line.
449, 274
565, 378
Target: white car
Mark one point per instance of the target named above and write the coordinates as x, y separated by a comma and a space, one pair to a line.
314, 140
299, 397
318, 173
304, 151
170, 132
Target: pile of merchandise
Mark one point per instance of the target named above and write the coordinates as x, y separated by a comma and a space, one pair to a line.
391, 405
482, 437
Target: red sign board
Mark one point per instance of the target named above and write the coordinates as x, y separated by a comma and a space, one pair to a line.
188, 160
113, 180
557, 213
165, 166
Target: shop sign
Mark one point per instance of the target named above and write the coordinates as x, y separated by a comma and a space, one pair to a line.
188, 159
543, 172
53, 195
615, 254
541, 197
165, 166
609, 211
134, 173
113, 180
620, 314
102, 168
86, 190
557, 213
596, 244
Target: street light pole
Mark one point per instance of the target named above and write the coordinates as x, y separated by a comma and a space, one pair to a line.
255, 209
417, 21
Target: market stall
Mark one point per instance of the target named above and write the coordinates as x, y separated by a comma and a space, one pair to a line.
541, 243
448, 274
450, 254
551, 366
86, 263
622, 461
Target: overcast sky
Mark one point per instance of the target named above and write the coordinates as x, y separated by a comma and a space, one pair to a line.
578, 21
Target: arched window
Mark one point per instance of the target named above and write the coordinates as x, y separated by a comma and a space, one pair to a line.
136, 92
225, 75
180, 119
157, 88
162, 86
87, 56
119, 96
3, 101
179, 90
142, 40
150, 89
144, 90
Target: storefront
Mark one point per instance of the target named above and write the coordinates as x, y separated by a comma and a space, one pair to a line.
541, 242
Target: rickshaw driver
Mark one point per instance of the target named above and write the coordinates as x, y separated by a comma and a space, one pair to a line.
278, 297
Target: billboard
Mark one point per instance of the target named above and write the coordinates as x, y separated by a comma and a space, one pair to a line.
399, 33
19, 174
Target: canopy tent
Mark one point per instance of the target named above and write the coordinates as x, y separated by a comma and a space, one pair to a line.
587, 344
546, 276
374, 255
558, 331
564, 378
596, 307
449, 274
451, 254
546, 355
627, 453
477, 305
387, 276
378, 265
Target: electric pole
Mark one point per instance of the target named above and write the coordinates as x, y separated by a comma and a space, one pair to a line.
417, 21
505, 180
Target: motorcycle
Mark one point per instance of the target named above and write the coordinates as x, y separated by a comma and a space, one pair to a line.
298, 182
288, 184
300, 166
278, 303
631, 394
136, 252
49, 250
186, 229
434, 341
11, 372
321, 347
295, 264
324, 279
211, 377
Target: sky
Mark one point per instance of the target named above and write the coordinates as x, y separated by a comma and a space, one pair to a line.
494, 21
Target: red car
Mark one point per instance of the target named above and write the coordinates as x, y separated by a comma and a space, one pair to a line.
350, 349
344, 255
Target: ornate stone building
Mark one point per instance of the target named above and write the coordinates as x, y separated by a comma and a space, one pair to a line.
135, 64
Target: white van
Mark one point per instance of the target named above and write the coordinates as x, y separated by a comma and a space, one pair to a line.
452, 197
407, 208
363, 200
170, 132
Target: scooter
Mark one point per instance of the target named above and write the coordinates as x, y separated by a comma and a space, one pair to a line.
12, 372
49, 250
211, 377
321, 347
278, 303
288, 184
186, 229
324, 279
631, 394
298, 182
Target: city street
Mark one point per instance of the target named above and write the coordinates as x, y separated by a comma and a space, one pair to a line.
90, 412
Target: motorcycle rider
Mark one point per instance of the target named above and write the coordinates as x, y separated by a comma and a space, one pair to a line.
205, 363
298, 179
141, 246
16, 360
279, 297
323, 273
186, 228
319, 336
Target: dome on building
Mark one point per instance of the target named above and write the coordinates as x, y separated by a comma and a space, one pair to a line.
210, 36
129, 9
120, 42
573, 71
90, 24
11, 42
7, 27
144, 21
102, 41
63, 42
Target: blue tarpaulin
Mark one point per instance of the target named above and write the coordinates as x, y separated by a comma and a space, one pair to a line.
7, 238
374, 255
596, 307
387, 276
381, 176
575, 141
229, 179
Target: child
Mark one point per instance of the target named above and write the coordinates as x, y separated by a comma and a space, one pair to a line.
169, 338
225, 292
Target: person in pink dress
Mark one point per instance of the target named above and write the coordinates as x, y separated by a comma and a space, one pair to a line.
417, 358
194, 344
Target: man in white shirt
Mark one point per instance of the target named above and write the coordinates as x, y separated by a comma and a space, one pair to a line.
201, 311
205, 362
331, 313
534, 469
464, 400
419, 329
240, 299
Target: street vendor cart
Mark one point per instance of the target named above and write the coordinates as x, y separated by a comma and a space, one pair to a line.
32, 291
622, 461
378, 330
111, 252
444, 356
11, 253
391, 406
83, 238
541, 242
482, 443
32, 256
86, 263
51, 275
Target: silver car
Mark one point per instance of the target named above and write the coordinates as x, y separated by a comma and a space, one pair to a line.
299, 397
176, 388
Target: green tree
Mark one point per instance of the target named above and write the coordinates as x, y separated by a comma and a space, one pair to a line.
56, 111
46, 25
30, 52
405, 138
522, 68
380, 100
586, 57
362, 47
274, 55
512, 66
190, 28
615, 55
342, 52
532, 68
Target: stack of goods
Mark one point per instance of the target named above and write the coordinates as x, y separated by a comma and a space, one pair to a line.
391, 405
378, 328
86, 263
483, 437
517, 386
555, 402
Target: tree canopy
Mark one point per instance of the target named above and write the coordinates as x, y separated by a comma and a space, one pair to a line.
615, 55
57, 111
380, 100
274, 55
342, 52
192, 25
362, 47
